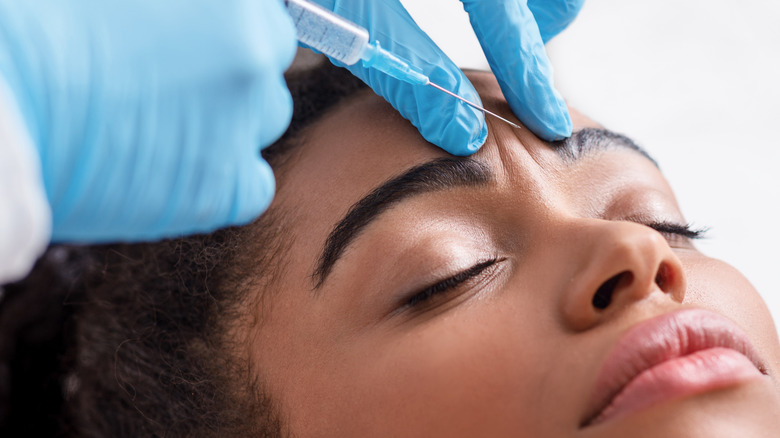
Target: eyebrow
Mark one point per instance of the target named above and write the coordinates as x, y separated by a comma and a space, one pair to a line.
443, 174
591, 140
437, 175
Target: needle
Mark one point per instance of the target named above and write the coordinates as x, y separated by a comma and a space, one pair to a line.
473, 105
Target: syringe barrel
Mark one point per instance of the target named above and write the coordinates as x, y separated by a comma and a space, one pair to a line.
326, 32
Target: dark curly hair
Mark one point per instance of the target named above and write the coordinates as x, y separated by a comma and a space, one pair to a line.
138, 339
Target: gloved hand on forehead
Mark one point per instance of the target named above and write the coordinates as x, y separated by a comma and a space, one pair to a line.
149, 115
512, 34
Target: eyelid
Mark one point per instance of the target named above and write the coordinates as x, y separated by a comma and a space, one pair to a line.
452, 283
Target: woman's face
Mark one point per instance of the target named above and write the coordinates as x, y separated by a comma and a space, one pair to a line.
521, 292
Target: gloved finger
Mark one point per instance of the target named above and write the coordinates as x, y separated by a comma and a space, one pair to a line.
243, 186
441, 119
273, 105
254, 194
255, 186
510, 38
238, 202
553, 16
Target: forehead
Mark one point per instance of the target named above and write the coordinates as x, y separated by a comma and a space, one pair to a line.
365, 142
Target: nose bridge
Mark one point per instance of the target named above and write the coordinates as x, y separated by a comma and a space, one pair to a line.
617, 264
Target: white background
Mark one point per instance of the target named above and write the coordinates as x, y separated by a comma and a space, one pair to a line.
697, 83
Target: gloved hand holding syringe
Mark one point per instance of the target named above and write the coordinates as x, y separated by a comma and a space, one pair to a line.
144, 119
349, 43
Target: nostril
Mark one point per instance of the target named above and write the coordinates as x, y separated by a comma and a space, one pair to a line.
661, 276
603, 296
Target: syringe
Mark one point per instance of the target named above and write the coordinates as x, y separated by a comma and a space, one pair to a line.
347, 42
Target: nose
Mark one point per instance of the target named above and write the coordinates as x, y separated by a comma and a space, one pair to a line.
616, 264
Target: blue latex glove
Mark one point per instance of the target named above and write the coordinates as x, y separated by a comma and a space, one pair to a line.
512, 34
149, 115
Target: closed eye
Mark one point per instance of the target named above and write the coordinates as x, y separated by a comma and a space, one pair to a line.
683, 230
450, 284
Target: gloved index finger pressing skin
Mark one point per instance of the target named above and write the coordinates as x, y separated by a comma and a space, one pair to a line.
441, 119
510, 38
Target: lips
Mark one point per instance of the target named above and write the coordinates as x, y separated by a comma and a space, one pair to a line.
672, 356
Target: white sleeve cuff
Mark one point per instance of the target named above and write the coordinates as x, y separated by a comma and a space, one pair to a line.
25, 215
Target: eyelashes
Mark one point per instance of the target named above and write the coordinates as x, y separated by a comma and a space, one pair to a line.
450, 283
687, 231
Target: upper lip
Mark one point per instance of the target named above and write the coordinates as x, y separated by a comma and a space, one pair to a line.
664, 338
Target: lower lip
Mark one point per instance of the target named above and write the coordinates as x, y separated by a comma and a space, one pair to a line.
703, 371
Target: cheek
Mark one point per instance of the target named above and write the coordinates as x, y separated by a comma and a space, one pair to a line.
463, 374
718, 286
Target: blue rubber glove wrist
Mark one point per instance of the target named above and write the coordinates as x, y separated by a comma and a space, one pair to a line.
149, 116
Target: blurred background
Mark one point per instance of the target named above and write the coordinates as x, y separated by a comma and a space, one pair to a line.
696, 83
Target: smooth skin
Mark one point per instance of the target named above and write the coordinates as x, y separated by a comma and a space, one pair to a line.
515, 352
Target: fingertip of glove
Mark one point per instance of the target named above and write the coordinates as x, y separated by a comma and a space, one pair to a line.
560, 129
267, 187
477, 140
465, 135
551, 121
257, 196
